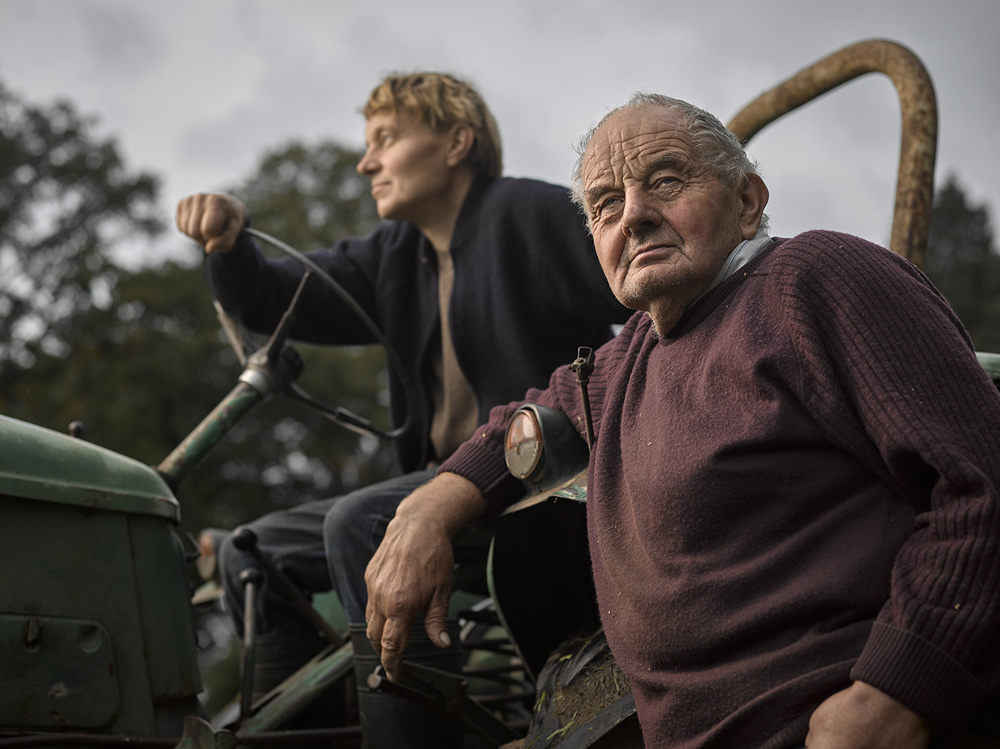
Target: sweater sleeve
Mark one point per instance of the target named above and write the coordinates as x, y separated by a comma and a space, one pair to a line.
258, 289
891, 376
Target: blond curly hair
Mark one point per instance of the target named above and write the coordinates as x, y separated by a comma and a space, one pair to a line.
440, 101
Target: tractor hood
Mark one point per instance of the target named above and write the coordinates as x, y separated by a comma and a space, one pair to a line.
37, 463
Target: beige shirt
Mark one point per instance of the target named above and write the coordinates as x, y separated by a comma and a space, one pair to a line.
456, 412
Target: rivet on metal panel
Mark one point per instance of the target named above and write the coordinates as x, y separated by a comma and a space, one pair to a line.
32, 635
89, 638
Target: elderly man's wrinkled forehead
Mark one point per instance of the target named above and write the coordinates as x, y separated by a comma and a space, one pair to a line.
630, 138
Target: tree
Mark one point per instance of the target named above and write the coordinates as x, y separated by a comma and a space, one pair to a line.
963, 263
66, 199
138, 356
309, 195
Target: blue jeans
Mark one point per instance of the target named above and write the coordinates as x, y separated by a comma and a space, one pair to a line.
321, 546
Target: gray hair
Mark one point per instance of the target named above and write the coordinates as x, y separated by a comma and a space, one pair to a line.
719, 149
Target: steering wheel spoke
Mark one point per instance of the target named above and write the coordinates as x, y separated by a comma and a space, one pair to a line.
277, 350
238, 336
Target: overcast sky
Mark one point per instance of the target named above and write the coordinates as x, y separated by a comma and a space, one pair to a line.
196, 90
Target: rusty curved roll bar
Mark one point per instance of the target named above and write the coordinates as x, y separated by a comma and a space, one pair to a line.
918, 142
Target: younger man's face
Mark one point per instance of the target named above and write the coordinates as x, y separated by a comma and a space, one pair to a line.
406, 161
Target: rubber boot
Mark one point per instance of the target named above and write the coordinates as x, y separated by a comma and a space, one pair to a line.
389, 721
276, 657
279, 657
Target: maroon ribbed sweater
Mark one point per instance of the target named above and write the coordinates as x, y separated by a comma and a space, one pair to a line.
795, 487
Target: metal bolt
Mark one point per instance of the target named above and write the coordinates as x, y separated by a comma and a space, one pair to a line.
32, 634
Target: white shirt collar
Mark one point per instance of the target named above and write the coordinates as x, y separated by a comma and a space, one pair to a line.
742, 254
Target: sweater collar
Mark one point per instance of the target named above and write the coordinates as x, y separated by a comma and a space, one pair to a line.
747, 255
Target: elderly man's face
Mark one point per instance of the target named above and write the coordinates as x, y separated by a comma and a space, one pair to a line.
662, 222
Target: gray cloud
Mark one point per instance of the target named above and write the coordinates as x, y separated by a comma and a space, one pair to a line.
196, 91
122, 41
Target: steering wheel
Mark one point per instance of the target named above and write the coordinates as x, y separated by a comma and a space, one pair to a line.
277, 355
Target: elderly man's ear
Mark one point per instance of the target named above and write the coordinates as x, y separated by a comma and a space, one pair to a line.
460, 140
753, 200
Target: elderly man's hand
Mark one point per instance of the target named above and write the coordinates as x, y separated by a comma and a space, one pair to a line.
212, 220
863, 717
413, 568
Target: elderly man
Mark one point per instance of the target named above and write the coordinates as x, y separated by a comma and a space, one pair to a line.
793, 507
482, 284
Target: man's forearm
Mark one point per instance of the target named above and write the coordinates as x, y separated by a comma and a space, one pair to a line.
413, 567
449, 501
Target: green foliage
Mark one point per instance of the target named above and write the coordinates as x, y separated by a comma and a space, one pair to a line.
65, 199
309, 195
138, 356
963, 263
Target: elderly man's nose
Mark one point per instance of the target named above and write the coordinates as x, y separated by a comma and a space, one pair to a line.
638, 212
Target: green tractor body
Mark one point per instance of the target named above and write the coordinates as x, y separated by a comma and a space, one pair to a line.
91, 634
